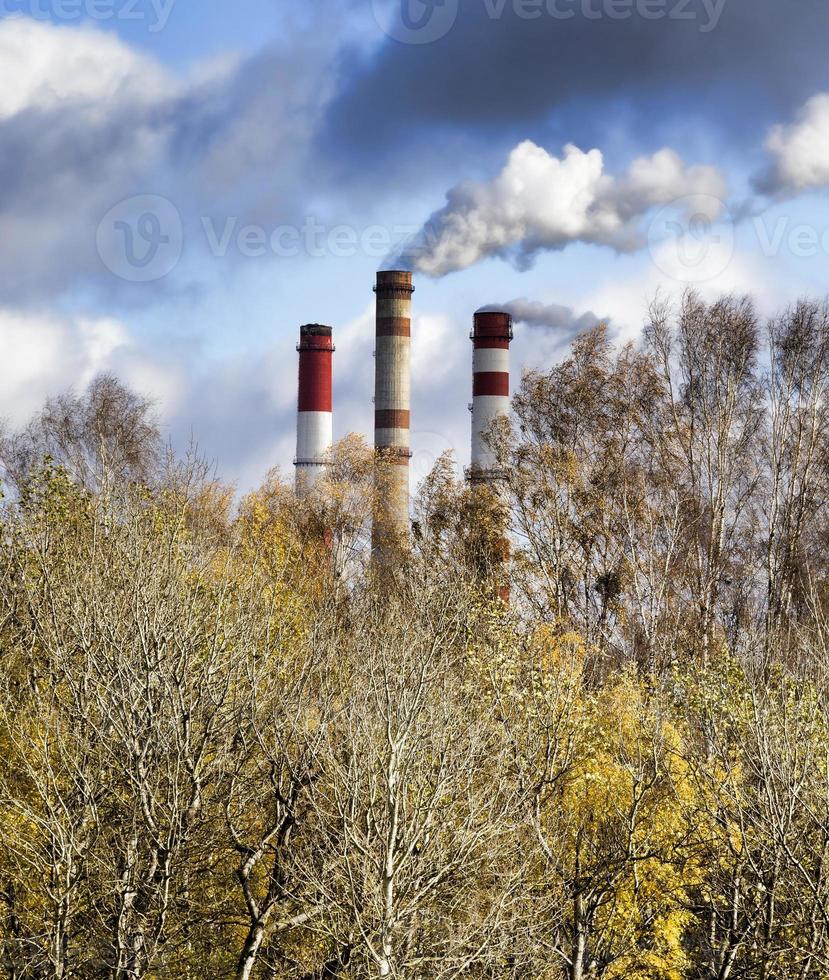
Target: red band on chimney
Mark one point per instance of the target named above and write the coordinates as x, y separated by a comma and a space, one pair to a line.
392, 419
316, 349
490, 383
484, 343
394, 326
315, 389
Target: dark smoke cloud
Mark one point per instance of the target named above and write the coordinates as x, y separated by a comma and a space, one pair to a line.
500, 78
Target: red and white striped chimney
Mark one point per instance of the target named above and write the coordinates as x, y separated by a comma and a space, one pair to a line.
315, 420
392, 396
491, 337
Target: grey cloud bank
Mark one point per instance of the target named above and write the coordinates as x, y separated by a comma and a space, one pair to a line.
512, 76
93, 123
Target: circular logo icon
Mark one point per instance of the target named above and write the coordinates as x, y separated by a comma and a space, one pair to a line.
141, 238
415, 21
427, 448
691, 239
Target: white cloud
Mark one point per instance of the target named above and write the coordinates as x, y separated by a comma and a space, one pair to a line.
43, 67
49, 354
628, 296
436, 347
541, 202
240, 411
800, 150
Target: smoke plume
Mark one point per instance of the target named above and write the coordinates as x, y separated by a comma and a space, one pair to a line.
541, 203
549, 315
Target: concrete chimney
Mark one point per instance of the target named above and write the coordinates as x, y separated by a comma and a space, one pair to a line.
491, 337
315, 420
392, 400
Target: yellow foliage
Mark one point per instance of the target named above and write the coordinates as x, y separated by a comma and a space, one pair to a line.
620, 815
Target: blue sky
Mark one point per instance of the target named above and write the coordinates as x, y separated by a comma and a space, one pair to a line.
271, 154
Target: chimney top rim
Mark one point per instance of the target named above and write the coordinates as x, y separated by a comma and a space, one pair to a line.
395, 279
490, 324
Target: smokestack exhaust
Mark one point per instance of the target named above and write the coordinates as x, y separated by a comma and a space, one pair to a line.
315, 420
491, 337
392, 403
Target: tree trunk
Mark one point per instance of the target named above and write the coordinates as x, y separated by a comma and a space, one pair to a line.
250, 951
580, 944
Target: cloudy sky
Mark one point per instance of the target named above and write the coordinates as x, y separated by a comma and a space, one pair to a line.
185, 182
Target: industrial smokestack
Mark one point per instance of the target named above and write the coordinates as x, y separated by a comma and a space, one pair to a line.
491, 337
315, 421
392, 401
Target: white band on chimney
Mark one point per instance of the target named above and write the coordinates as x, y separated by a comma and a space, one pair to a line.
315, 433
490, 360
